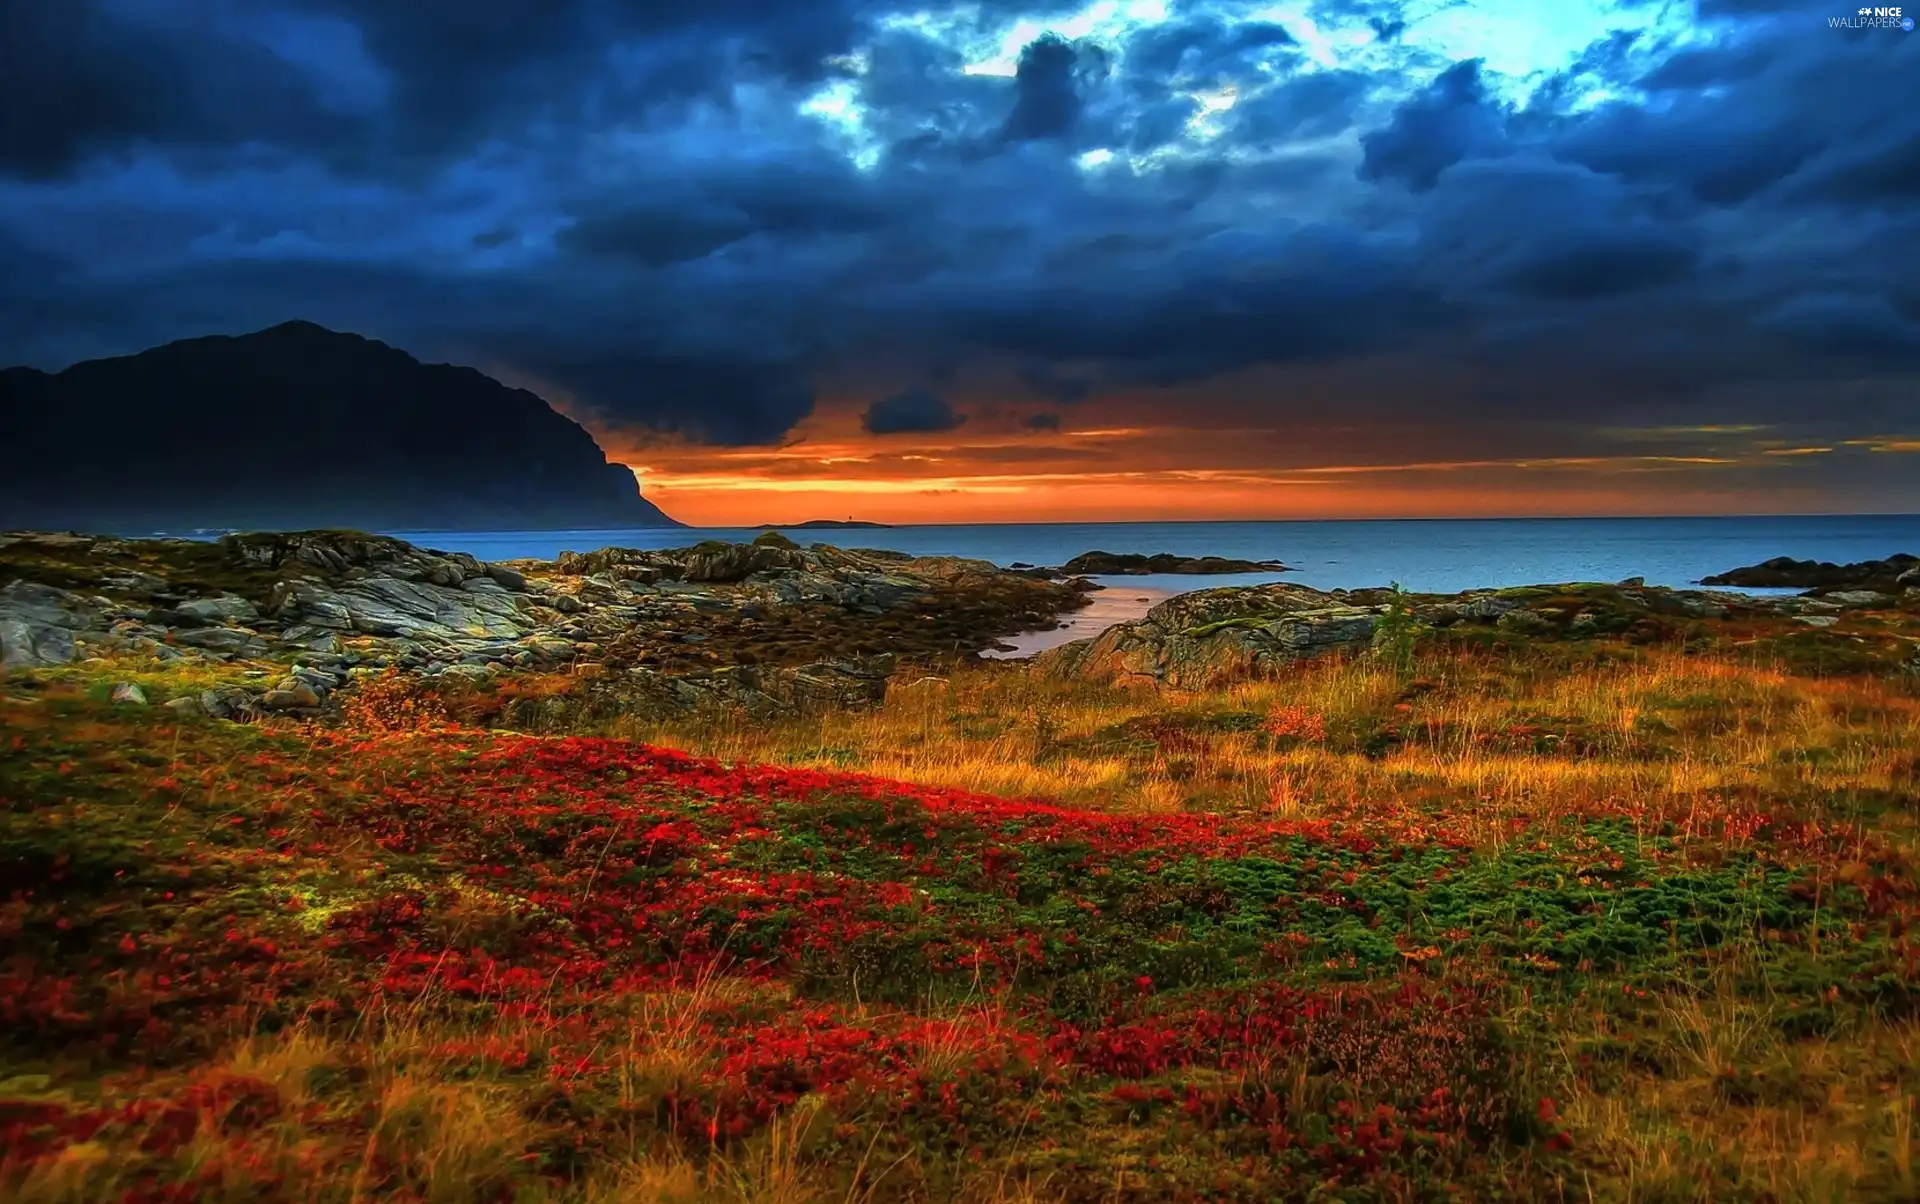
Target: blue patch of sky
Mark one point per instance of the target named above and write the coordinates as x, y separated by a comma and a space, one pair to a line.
1522, 43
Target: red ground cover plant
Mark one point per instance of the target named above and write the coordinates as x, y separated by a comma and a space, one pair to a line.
636, 949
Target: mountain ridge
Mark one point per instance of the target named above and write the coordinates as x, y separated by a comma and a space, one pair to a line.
298, 426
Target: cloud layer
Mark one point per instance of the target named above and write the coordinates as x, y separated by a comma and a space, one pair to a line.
734, 224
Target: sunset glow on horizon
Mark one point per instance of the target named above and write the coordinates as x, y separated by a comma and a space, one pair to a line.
996, 471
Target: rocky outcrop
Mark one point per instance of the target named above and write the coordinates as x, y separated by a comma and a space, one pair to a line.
297, 426
1890, 576
1211, 637
766, 626
38, 623
1135, 564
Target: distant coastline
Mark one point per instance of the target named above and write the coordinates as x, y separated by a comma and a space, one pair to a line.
826, 524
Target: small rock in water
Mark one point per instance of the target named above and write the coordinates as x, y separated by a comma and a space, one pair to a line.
127, 691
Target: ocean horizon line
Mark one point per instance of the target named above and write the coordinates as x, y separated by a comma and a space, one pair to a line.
1198, 522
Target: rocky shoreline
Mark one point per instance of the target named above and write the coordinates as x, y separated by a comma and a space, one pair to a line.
288, 621
1894, 575
768, 625
1213, 637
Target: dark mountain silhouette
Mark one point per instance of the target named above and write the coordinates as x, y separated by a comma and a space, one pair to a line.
296, 426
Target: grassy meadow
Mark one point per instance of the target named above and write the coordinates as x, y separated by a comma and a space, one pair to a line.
1574, 920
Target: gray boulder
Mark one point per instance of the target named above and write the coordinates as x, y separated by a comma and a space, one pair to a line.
229, 641
49, 606
129, 692
28, 645
230, 702
226, 610
389, 606
1483, 607
507, 578
718, 562
291, 694
1858, 597
1525, 622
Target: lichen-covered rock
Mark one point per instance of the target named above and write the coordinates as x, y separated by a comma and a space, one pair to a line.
228, 641
717, 561
1477, 606
129, 692
230, 702
394, 607
507, 578
48, 606
1212, 637
291, 694
1858, 597
1525, 622
226, 610
29, 645
764, 608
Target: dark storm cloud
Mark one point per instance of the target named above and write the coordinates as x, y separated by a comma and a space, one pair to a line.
1317, 295
706, 399
1453, 118
626, 203
1049, 86
1818, 114
1053, 385
913, 412
1303, 107
1041, 422
687, 219
1203, 48
85, 76
1547, 230
1844, 323
375, 86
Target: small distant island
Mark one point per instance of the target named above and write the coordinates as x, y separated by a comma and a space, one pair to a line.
1136, 564
826, 524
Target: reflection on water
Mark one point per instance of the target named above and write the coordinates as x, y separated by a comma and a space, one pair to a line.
1121, 602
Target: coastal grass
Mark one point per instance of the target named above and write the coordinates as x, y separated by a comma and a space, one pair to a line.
1554, 921
1671, 737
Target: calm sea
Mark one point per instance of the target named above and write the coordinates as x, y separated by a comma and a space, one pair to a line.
1436, 555
1430, 555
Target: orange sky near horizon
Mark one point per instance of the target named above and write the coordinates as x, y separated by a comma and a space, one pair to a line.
1134, 467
